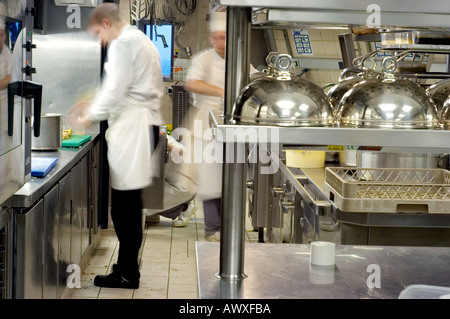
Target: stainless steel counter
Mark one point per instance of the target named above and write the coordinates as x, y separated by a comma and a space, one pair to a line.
38, 186
280, 271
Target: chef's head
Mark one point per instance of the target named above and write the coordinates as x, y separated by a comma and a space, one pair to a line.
105, 22
218, 27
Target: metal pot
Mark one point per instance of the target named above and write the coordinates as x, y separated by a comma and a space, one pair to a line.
348, 158
283, 99
368, 159
51, 133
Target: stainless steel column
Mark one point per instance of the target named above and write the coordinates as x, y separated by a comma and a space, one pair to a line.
233, 192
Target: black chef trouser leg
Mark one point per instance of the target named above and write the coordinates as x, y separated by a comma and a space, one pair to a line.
126, 214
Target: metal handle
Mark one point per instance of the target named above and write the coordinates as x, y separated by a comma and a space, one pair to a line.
389, 65
344, 73
270, 59
283, 62
28, 90
287, 206
320, 207
369, 64
277, 191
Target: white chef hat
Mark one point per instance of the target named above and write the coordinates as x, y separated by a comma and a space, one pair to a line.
218, 21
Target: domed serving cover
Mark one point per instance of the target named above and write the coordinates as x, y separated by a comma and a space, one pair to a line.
445, 115
337, 91
283, 99
439, 93
387, 103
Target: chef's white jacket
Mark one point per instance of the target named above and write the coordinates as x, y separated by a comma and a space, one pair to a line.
130, 99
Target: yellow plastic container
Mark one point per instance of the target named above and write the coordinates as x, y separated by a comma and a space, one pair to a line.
305, 159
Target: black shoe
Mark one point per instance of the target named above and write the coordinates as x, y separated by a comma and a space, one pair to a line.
115, 280
116, 268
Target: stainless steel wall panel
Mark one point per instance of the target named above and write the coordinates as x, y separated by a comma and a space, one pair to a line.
68, 67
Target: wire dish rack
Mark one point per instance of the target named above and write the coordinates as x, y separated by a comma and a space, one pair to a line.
389, 190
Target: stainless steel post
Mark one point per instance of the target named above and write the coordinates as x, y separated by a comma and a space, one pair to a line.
237, 55
232, 240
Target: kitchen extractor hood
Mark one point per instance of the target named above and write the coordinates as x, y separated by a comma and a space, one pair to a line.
81, 3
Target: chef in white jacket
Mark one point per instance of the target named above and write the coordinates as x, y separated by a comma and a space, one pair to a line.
129, 98
206, 81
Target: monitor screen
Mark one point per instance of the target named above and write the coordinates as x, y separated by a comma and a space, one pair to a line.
162, 37
14, 30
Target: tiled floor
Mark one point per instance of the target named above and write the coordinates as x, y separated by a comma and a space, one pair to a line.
168, 262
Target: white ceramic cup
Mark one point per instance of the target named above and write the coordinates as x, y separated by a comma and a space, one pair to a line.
323, 253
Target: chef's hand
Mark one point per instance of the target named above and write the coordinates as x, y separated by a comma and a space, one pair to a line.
79, 108
77, 115
83, 122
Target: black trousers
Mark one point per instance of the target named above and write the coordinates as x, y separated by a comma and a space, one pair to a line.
213, 217
126, 214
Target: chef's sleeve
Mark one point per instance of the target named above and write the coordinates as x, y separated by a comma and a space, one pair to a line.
118, 80
197, 68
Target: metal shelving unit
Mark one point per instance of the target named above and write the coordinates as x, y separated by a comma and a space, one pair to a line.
421, 14
287, 13
389, 140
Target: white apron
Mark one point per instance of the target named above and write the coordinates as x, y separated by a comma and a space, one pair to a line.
209, 175
129, 148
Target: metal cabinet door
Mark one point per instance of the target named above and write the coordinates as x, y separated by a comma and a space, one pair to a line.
6, 249
29, 271
75, 219
51, 233
95, 183
85, 205
65, 208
